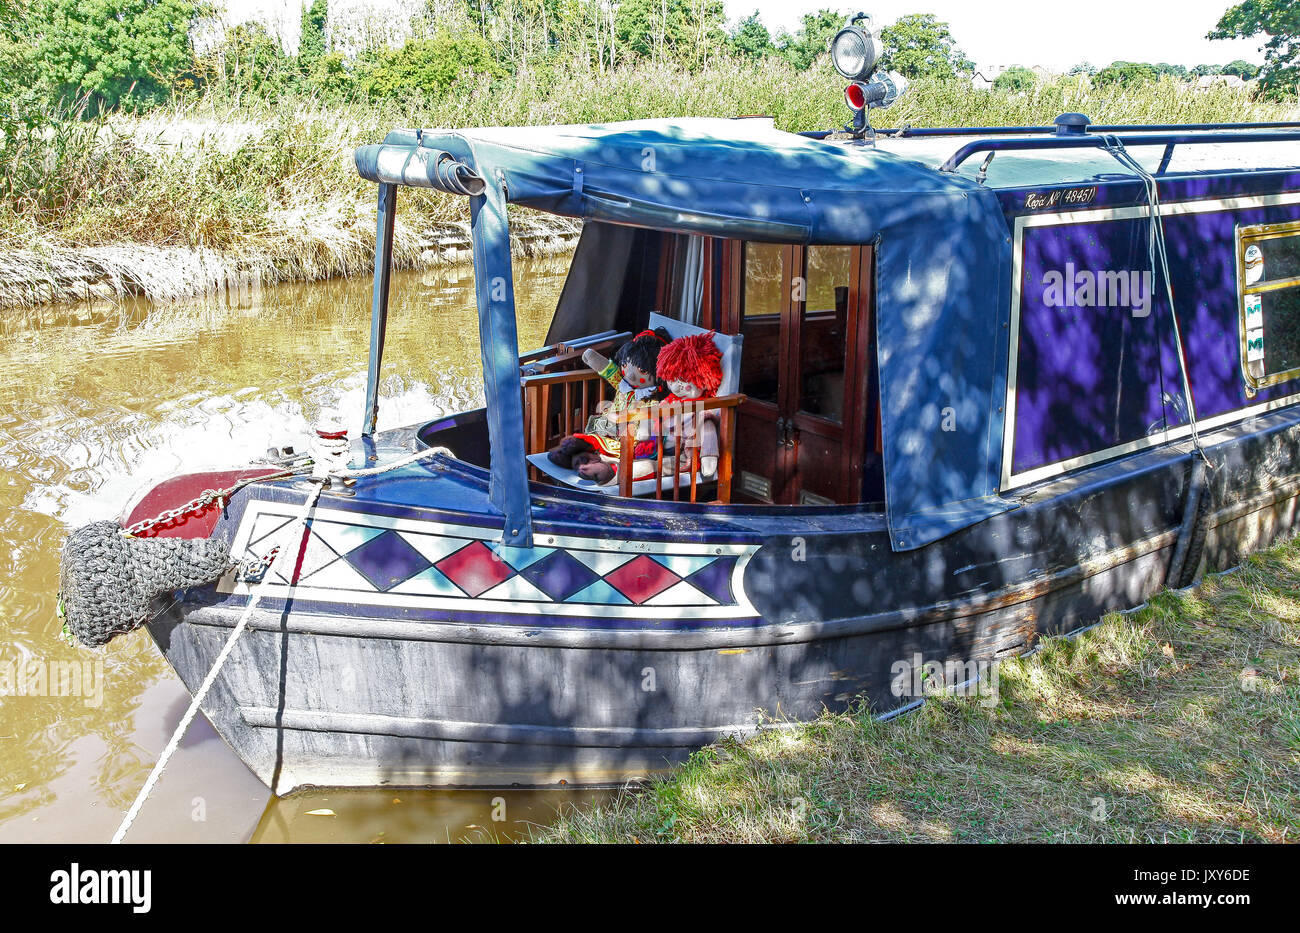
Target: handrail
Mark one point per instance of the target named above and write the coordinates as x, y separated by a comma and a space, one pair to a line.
648, 412
568, 375
908, 132
564, 345
1091, 140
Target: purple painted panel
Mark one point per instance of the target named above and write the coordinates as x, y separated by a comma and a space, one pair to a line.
1089, 374
1093, 370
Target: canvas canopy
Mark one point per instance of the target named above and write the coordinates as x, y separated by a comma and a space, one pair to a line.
942, 269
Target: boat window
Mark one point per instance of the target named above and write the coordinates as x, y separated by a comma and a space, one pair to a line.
823, 333
762, 299
1268, 272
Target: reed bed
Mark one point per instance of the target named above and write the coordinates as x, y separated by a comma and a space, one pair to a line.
147, 204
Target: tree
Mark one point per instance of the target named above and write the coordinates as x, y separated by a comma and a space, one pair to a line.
1083, 68
1126, 74
750, 39
1280, 21
311, 36
1242, 69
429, 66
249, 60
921, 46
1015, 80
116, 52
812, 39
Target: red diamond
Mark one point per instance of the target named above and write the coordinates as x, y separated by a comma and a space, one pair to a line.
474, 568
642, 579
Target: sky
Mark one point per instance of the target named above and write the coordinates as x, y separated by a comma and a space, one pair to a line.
1051, 33
1054, 34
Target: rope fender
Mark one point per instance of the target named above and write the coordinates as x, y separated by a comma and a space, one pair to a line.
108, 581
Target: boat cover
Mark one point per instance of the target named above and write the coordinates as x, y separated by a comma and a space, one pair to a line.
942, 270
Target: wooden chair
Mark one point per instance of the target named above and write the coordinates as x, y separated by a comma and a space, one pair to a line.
557, 404
678, 477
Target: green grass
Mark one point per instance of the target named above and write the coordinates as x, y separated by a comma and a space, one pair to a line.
274, 186
1176, 723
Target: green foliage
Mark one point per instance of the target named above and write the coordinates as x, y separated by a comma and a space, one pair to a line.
1242, 69
429, 67
921, 46
685, 31
1280, 21
1015, 80
248, 60
751, 38
816, 30
1126, 74
311, 37
127, 53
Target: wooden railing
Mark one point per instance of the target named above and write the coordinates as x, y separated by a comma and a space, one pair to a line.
559, 404
661, 413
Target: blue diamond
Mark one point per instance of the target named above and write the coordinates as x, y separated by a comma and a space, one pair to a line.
387, 560
559, 575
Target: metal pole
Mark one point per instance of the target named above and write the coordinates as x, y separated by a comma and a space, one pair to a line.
379, 302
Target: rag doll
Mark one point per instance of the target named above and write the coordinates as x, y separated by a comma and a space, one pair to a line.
691, 367
594, 453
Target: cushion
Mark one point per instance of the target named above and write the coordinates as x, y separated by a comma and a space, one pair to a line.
642, 487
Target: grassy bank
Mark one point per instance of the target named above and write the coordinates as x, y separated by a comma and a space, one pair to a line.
271, 189
1177, 723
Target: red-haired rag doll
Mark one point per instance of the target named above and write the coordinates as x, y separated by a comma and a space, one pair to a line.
691, 367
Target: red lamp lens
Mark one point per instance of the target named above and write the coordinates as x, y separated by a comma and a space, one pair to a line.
855, 96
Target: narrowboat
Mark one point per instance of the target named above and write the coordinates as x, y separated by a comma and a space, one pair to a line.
978, 386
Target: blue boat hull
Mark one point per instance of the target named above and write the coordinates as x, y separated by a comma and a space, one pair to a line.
634, 632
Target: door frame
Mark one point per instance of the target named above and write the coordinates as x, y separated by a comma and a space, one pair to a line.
861, 395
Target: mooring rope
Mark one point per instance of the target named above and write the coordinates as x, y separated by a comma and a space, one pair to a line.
1156, 251
299, 527
201, 694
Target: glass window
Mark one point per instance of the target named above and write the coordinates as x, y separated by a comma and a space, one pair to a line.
762, 299
1268, 267
823, 331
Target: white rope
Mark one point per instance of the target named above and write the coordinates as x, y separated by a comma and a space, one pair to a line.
242, 624
395, 465
1156, 252
202, 692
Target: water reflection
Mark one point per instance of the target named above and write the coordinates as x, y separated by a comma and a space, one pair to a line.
97, 401
415, 816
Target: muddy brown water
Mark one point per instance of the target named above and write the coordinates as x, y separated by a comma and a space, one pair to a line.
97, 402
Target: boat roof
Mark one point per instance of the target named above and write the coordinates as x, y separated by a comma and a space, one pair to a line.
730, 177
943, 253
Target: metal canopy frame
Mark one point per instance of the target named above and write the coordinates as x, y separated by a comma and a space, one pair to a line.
1101, 140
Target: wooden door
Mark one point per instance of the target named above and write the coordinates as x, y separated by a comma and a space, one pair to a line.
806, 368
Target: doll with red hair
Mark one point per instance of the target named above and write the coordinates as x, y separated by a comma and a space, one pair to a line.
691, 367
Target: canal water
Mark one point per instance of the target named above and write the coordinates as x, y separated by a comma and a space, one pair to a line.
97, 401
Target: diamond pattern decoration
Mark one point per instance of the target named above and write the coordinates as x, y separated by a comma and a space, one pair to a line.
559, 575
641, 579
359, 557
387, 559
475, 569
714, 579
